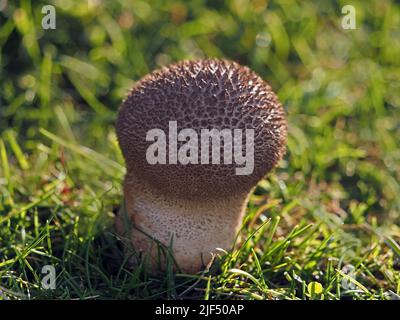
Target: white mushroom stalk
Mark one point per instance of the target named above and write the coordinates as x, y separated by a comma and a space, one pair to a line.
197, 137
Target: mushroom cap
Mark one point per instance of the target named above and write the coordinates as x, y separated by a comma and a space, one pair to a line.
201, 94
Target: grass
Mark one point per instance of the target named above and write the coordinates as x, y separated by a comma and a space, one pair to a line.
324, 225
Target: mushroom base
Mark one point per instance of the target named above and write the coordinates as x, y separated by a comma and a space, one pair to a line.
194, 229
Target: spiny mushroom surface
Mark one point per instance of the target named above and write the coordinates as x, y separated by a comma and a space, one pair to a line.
199, 206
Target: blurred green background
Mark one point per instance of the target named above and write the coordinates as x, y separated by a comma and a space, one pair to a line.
60, 91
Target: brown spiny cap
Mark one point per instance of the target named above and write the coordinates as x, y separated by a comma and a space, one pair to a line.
201, 94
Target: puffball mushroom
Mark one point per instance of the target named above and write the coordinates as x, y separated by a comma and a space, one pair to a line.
194, 208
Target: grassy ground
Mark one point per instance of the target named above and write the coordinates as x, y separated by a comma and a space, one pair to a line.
324, 225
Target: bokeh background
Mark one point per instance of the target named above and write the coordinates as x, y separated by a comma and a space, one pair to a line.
61, 168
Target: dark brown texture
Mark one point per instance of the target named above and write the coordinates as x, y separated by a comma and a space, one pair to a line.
201, 94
